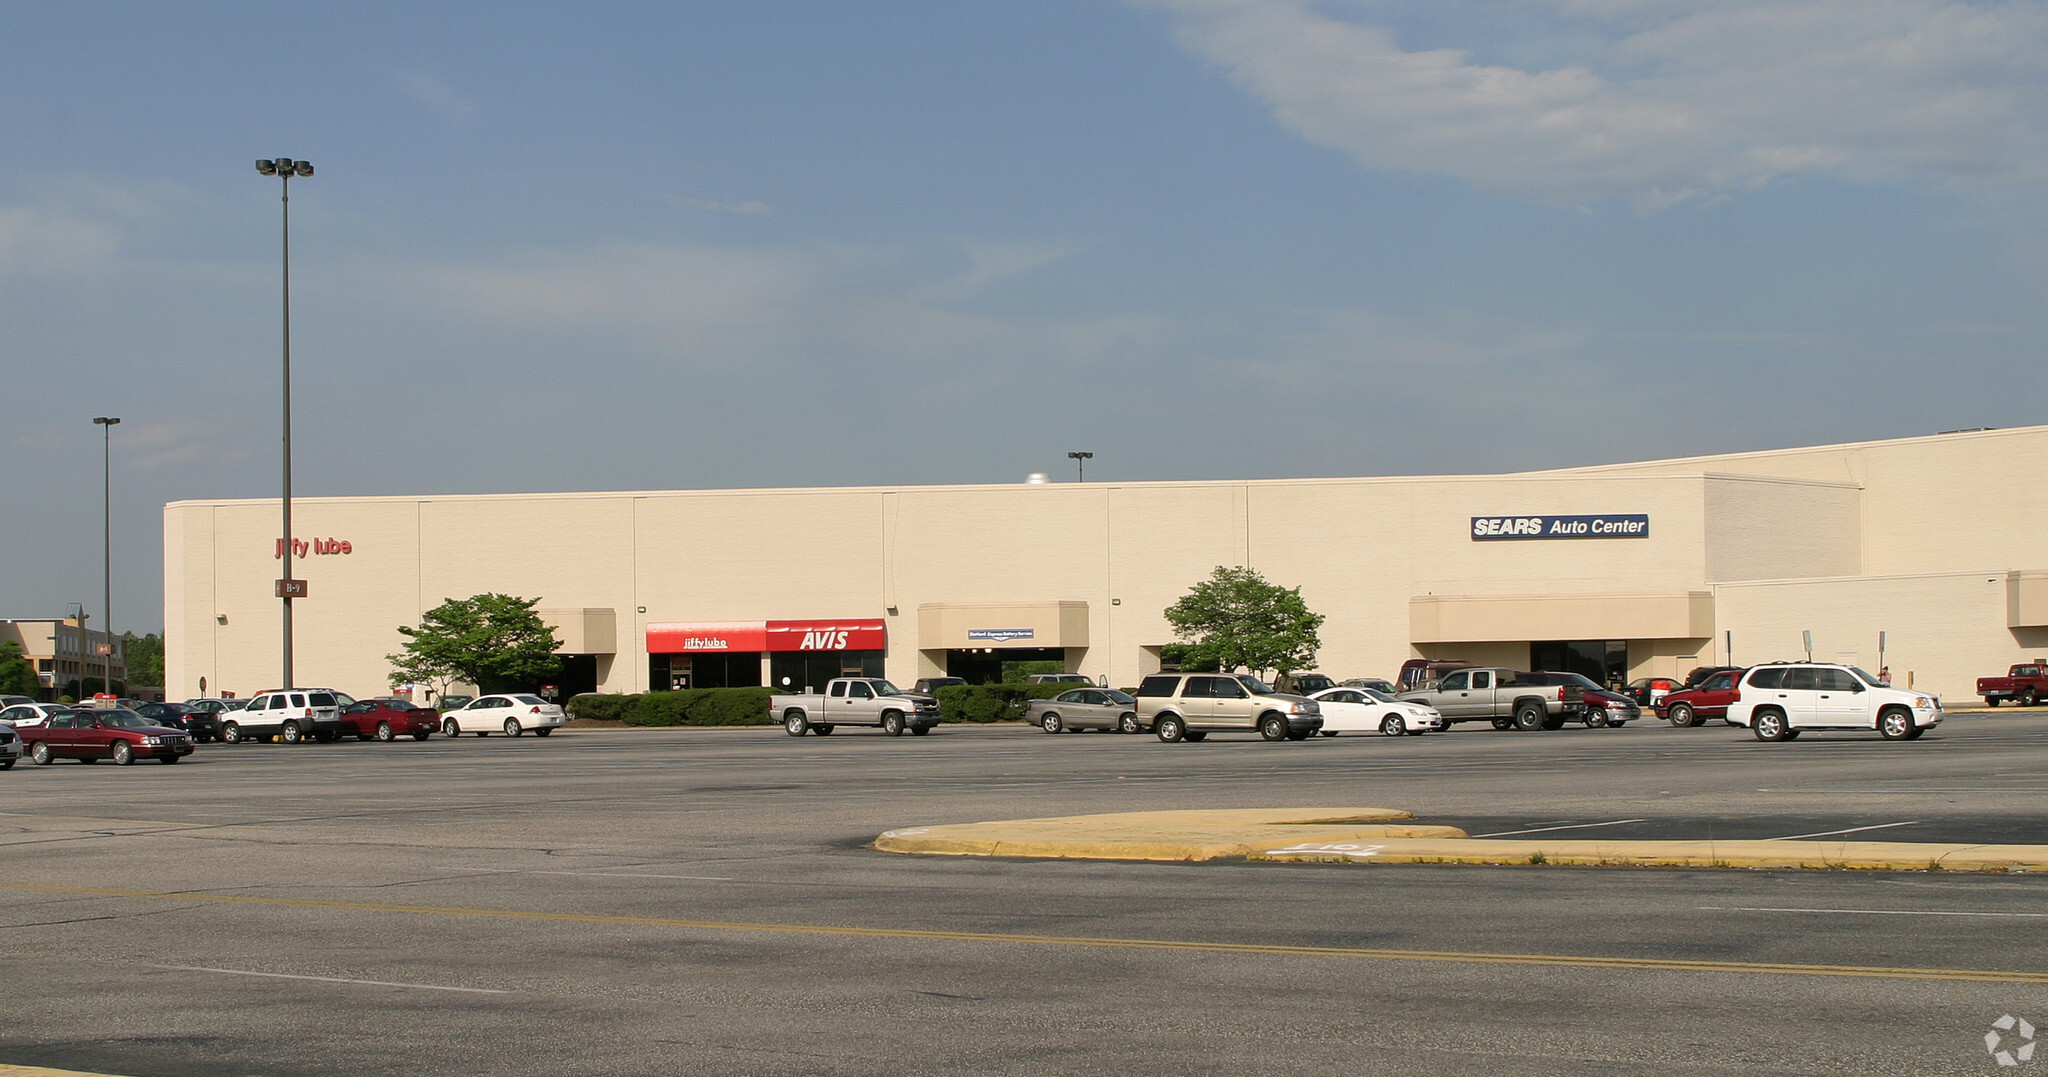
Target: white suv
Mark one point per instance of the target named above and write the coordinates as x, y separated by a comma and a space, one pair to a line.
1784, 699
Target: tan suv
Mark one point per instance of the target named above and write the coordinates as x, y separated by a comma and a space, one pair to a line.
1190, 706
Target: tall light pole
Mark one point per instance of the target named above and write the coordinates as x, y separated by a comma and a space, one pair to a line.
284, 168
1080, 460
106, 423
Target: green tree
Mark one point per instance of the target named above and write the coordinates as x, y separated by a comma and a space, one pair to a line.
17, 673
1238, 619
493, 641
145, 658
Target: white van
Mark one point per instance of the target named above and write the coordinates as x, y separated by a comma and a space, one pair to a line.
1781, 700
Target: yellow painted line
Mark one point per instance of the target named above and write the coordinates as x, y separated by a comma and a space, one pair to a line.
39, 1071
1450, 956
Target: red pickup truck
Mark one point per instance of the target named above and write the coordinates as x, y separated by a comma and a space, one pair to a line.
2025, 684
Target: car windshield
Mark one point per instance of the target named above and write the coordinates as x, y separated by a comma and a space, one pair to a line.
1865, 677
1120, 698
884, 688
1254, 684
1379, 695
122, 719
531, 701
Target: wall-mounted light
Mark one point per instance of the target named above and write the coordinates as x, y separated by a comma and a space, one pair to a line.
220, 618
641, 609
1116, 601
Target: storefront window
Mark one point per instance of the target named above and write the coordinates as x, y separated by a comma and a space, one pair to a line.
1604, 661
810, 671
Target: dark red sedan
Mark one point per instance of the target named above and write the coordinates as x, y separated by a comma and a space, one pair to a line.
1707, 699
388, 719
90, 734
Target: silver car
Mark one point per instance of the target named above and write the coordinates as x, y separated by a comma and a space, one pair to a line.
1085, 708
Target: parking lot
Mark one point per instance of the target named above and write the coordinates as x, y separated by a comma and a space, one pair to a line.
703, 901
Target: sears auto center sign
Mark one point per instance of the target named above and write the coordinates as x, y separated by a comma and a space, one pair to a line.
1625, 525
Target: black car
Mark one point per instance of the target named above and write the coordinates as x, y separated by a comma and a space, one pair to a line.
202, 725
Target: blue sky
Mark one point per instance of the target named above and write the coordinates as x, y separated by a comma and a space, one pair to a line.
625, 246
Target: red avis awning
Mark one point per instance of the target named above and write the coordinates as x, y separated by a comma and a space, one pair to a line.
841, 634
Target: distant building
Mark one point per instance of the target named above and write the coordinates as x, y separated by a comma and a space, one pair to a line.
1922, 554
64, 652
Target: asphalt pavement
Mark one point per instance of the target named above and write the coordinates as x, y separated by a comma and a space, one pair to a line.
706, 901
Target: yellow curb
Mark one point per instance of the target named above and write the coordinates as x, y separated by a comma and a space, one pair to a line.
38, 1071
1846, 855
1379, 835
1161, 835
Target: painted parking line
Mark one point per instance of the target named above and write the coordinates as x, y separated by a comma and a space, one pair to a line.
1879, 912
1584, 961
332, 979
1851, 830
584, 874
1547, 829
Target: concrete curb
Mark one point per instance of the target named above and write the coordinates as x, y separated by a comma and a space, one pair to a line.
1386, 836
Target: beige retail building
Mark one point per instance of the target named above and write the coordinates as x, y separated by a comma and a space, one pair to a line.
1926, 555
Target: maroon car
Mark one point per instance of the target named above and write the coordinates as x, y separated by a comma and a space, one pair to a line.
388, 719
1708, 699
90, 734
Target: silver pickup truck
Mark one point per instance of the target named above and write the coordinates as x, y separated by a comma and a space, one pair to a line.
1499, 695
869, 701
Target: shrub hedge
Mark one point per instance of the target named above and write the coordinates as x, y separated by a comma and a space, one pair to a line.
993, 702
695, 706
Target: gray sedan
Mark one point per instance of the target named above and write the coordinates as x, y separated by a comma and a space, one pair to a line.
1085, 708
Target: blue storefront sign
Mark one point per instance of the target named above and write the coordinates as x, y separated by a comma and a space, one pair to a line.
1624, 525
1001, 635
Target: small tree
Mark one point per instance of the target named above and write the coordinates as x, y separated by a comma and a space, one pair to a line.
145, 658
493, 641
17, 673
1241, 620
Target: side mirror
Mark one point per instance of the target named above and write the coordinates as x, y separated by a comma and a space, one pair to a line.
1856, 686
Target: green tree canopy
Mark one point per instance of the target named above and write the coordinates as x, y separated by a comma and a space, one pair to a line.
145, 658
493, 641
1238, 619
17, 673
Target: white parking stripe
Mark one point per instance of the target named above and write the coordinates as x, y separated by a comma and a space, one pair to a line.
1851, 830
587, 874
332, 979
1574, 826
1879, 912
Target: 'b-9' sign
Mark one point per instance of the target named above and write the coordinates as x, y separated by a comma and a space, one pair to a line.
1626, 525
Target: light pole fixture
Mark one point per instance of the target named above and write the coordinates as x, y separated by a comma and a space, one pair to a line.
284, 168
106, 423
1080, 460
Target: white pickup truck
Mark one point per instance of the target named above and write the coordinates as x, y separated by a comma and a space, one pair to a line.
869, 701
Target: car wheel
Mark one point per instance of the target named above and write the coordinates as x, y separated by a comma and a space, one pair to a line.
291, 733
513, 728
1915, 734
1596, 719
1895, 724
1169, 728
1992, 701
1327, 732
6, 764
542, 732
823, 729
39, 754
1198, 735
920, 730
1129, 724
1392, 726
421, 736
1529, 717
1050, 723
892, 724
2027, 697
384, 731
1682, 716
325, 736
1768, 725
1500, 723
168, 758
450, 729
124, 753
231, 734
1273, 727
795, 724
1299, 734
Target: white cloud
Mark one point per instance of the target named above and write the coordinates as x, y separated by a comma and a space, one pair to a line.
1678, 101
36, 242
436, 96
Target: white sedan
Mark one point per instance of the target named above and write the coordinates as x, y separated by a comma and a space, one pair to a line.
30, 715
1368, 710
508, 714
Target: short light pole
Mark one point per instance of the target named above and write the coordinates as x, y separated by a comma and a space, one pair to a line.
106, 423
284, 168
1080, 460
